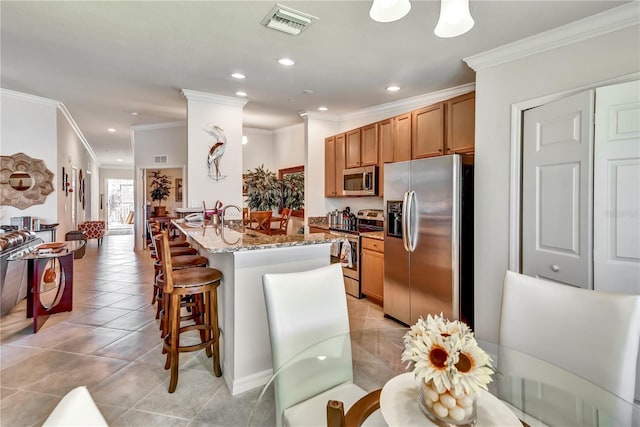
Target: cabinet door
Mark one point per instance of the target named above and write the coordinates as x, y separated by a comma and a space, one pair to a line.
369, 146
352, 149
427, 136
372, 274
385, 140
461, 124
340, 147
402, 141
330, 166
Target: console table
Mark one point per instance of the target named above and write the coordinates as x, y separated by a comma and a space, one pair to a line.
50, 281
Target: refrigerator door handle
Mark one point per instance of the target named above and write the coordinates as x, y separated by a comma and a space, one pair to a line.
405, 223
412, 223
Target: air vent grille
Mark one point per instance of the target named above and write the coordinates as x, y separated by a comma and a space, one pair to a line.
287, 20
161, 159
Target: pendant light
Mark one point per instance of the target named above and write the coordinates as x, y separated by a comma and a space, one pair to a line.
389, 10
455, 18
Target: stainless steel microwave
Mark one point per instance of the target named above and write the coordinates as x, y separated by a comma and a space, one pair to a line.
361, 181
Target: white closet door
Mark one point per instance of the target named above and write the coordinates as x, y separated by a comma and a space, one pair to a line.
616, 214
556, 191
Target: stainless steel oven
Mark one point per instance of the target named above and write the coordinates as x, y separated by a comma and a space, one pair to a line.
351, 273
367, 220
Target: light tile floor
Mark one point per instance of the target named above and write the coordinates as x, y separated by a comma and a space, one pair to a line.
110, 343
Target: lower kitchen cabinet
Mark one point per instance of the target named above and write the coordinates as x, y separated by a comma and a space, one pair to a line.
372, 269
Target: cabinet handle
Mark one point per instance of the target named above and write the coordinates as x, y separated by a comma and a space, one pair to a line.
440, 150
555, 268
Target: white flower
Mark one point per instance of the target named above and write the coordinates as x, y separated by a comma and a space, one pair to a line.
446, 353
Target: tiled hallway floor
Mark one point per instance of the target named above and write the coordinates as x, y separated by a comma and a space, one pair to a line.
110, 343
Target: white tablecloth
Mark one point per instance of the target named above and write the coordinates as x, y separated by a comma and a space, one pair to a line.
399, 406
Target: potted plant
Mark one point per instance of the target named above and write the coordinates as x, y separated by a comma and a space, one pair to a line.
263, 189
160, 190
293, 190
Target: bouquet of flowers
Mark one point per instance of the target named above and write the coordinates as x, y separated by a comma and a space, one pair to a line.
451, 366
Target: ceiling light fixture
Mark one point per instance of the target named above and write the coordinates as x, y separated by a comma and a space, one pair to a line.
244, 139
112, 130
287, 20
118, 160
286, 61
241, 93
322, 108
238, 76
389, 10
134, 113
455, 18
393, 88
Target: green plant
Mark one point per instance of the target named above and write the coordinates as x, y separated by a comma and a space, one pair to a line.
293, 190
160, 186
263, 189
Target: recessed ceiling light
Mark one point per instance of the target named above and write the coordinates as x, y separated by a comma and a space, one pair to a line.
308, 91
119, 160
134, 113
393, 88
241, 93
111, 130
322, 108
286, 61
238, 76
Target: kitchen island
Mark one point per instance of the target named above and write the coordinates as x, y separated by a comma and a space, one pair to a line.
243, 257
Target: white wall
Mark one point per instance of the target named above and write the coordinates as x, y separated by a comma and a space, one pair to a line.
226, 113
259, 150
318, 127
570, 67
289, 147
28, 125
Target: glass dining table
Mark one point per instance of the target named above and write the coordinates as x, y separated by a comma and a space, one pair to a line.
524, 391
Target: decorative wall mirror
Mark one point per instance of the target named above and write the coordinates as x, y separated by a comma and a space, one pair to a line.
24, 181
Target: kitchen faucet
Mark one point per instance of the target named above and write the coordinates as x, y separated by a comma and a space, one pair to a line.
222, 213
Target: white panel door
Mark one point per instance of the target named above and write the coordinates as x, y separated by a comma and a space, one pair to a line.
556, 191
616, 214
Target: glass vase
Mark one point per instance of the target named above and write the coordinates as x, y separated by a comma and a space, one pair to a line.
448, 408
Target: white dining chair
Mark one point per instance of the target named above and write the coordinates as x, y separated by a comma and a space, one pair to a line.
303, 309
568, 330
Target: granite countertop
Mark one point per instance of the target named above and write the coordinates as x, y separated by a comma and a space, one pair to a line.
212, 239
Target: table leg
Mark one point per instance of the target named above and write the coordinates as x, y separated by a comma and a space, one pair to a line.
37, 268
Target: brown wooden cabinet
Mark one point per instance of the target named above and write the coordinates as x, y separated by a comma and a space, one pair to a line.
372, 269
427, 131
461, 123
361, 147
402, 142
333, 165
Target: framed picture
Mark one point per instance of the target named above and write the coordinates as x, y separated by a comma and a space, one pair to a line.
245, 190
178, 189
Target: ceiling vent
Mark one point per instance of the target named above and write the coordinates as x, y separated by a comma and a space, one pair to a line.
287, 20
160, 159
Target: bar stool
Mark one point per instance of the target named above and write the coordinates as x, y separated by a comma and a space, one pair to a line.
178, 263
199, 282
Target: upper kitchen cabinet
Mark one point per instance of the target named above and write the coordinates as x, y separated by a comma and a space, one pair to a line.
461, 114
402, 142
385, 140
361, 147
427, 136
334, 165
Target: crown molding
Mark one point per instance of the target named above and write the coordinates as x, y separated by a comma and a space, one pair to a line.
154, 126
412, 103
320, 116
593, 26
29, 98
193, 95
76, 129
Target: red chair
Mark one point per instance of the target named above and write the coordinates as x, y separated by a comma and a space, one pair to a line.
93, 230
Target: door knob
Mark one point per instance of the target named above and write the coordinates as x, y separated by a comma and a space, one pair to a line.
555, 268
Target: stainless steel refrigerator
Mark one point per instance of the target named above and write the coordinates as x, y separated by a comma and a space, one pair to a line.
428, 240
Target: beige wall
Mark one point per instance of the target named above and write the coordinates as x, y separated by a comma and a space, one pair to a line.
570, 67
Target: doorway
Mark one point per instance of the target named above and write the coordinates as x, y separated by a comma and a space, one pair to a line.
120, 206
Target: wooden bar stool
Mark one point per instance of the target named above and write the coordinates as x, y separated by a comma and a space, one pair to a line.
201, 283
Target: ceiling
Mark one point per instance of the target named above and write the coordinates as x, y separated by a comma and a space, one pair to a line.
106, 59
